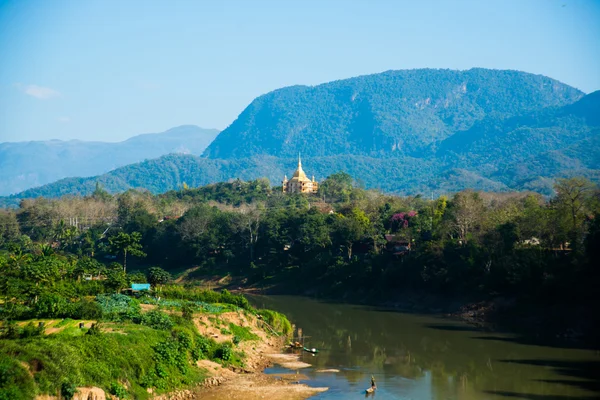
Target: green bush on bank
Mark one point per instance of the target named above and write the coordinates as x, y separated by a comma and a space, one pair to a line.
15, 381
141, 355
204, 295
277, 321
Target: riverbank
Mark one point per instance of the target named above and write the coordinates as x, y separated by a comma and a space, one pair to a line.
147, 349
556, 323
248, 382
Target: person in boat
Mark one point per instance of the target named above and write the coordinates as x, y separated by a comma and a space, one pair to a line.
373, 386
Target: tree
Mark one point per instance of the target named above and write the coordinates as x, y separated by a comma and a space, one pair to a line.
313, 231
116, 278
573, 197
200, 229
9, 227
467, 211
351, 228
250, 217
158, 276
100, 193
336, 187
127, 244
140, 220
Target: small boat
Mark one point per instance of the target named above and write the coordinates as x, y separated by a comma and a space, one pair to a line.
313, 350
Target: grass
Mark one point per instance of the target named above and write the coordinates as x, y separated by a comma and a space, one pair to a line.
124, 352
97, 360
65, 326
242, 333
277, 321
133, 350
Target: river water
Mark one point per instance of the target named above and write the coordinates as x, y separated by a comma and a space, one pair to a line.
426, 357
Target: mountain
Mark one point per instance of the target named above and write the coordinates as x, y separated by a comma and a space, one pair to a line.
28, 164
391, 113
523, 151
485, 142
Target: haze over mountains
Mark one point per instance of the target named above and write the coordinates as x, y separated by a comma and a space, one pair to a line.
400, 131
24, 165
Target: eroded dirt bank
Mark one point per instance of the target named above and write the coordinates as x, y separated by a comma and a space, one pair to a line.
250, 382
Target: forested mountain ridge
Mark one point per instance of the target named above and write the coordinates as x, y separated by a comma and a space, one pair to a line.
395, 112
524, 151
29, 164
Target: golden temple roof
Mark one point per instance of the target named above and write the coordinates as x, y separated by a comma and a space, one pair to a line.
300, 175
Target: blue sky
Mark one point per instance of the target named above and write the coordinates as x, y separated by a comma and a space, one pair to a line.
107, 70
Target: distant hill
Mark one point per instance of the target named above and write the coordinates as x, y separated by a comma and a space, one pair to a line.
549, 130
29, 164
401, 113
522, 152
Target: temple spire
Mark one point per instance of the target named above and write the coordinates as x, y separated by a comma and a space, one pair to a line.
299, 161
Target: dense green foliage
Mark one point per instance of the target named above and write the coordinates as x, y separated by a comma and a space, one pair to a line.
400, 132
51, 285
56, 159
344, 241
400, 112
473, 242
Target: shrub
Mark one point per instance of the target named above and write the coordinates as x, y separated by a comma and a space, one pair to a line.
224, 352
94, 330
203, 347
118, 390
118, 307
187, 311
51, 305
278, 321
68, 390
157, 320
30, 330
86, 309
12, 331
15, 381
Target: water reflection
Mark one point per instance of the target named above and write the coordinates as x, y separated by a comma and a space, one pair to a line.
421, 357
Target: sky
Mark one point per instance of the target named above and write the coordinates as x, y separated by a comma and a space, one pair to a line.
107, 70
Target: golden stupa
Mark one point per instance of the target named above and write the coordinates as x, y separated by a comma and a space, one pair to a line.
300, 183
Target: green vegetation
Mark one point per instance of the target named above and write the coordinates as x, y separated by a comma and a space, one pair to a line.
277, 320
242, 333
399, 112
67, 323
344, 241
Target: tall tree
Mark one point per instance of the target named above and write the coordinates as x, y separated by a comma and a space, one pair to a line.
573, 198
9, 227
337, 187
125, 243
158, 276
467, 211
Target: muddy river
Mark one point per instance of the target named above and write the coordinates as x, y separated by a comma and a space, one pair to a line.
428, 357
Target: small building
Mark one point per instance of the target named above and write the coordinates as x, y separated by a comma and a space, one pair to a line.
397, 245
140, 286
300, 183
